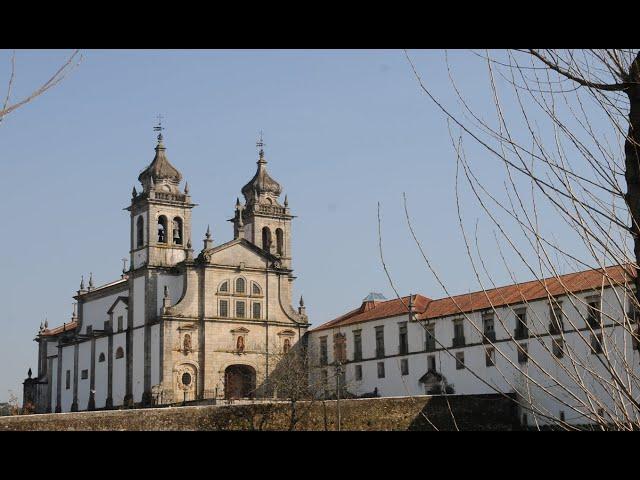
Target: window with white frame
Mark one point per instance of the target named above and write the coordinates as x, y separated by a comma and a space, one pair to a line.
240, 309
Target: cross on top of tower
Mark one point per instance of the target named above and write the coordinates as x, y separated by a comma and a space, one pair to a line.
159, 128
260, 144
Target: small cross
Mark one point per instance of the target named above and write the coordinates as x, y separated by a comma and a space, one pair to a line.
260, 143
159, 127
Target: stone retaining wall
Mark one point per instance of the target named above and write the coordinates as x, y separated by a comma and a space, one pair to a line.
471, 412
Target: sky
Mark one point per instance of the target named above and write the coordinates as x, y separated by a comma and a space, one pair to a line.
343, 130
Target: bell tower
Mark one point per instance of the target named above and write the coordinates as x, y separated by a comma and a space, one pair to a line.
262, 219
160, 214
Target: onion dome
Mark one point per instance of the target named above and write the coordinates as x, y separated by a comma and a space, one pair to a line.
261, 183
160, 168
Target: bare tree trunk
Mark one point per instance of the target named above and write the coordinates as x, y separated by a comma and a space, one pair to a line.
632, 162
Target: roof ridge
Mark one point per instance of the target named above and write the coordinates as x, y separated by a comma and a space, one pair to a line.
535, 280
506, 295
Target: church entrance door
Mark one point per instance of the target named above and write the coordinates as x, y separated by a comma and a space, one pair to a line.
240, 381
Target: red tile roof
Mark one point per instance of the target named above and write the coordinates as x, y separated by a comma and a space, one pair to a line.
62, 328
376, 310
498, 297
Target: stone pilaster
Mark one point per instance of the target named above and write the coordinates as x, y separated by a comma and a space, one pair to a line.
59, 380
49, 385
202, 336
92, 382
128, 397
151, 314
109, 401
76, 350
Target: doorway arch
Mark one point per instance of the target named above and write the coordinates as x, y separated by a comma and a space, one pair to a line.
239, 381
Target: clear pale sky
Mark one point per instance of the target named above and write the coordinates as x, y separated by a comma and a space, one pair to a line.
343, 131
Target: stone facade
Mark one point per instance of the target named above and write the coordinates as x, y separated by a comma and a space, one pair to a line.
179, 326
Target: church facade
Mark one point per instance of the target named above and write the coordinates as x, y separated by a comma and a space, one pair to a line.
178, 325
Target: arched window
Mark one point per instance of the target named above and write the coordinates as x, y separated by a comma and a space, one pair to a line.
240, 344
279, 241
177, 231
162, 229
101, 358
286, 345
224, 286
140, 231
187, 343
266, 239
240, 285
119, 352
255, 289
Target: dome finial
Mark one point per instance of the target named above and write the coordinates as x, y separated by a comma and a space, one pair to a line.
159, 128
260, 144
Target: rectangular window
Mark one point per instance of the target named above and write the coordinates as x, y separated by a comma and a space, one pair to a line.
240, 312
593, 312
459, 360
67, 380
522, 329
431, 363
84, 374
430, 344
557, 347
324, 353
488, 327
256, 310
380, 369
458, 333
403, 340
120, 323
523, 353
358, 372
596, 343
357, 345
224, 308
380, 341
556, 325
340, 347
89, 330
404, 366
107, 326
490, 356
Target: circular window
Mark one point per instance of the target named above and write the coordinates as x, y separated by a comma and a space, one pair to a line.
186, 379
